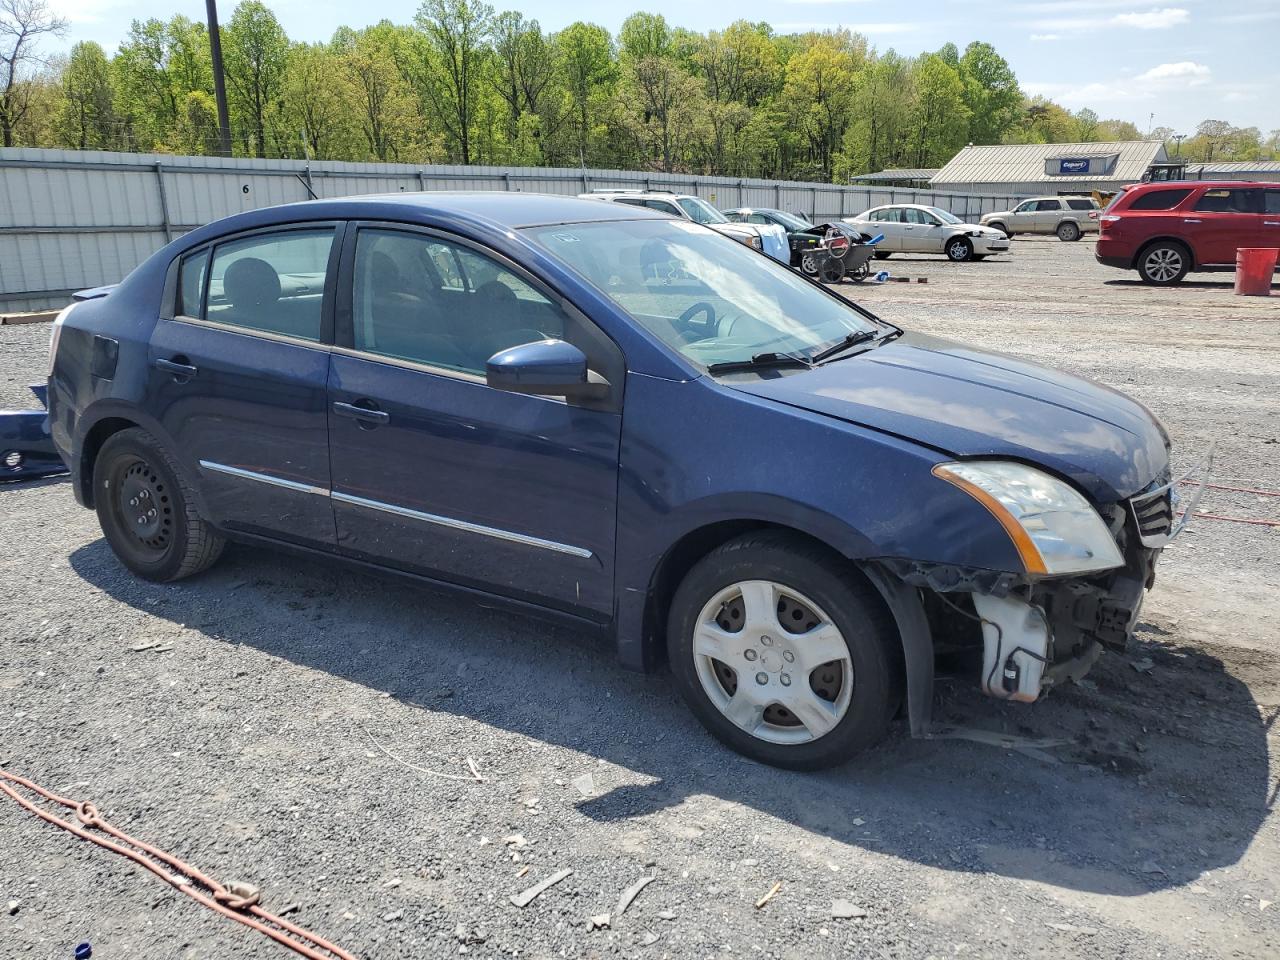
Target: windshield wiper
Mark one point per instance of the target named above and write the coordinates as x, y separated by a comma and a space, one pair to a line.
761, 361
850, 340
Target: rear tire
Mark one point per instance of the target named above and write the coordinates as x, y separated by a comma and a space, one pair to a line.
1068, 232
779, 608
997, 225
883, 254
1163, 263
147, 511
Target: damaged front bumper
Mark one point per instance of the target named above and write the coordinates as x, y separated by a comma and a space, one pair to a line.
1037, 633
26, 449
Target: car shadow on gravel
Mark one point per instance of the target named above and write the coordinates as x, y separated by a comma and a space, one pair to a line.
1164, 774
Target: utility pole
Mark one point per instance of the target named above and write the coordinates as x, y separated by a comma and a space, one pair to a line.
219, 82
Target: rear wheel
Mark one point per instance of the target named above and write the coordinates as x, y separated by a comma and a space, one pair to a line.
1068, 231
883, 254
147, 512
782, 654
1163, 263
959, 249
997, 225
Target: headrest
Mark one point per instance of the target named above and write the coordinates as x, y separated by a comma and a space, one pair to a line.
251, 282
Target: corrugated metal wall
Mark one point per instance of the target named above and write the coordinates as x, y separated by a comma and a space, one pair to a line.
70, 220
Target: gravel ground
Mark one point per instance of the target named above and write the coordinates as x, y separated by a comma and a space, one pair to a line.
252, 742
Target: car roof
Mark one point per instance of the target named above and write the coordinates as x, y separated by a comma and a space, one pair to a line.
641, 194
1195, 184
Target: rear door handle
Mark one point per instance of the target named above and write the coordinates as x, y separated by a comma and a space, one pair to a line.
180, 371
1271, 223
369, 415
1189, 220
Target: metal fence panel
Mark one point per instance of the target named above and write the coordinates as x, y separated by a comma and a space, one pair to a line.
71, 219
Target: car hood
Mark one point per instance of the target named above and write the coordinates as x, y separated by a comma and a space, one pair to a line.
967, 402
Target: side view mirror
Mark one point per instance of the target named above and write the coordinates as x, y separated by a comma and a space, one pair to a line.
548, 368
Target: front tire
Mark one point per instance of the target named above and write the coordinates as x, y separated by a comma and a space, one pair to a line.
959, 249
783, 653
147, 511
1163, 264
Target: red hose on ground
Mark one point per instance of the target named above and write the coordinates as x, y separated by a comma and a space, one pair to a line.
241, 906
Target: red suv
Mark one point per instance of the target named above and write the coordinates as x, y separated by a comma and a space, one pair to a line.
1163, 230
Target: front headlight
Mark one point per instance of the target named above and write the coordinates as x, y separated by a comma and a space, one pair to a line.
1054, 528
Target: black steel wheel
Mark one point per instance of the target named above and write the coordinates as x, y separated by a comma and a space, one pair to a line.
147, 512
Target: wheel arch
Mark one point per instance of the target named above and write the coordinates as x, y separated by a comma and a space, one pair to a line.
902, 603
1149, 243
104, 422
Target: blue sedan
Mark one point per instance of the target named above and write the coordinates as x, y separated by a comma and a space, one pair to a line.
593, 412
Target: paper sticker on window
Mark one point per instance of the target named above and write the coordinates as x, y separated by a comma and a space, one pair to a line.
565, 237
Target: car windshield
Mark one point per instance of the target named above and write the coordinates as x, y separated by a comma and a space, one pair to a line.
701, 211
944, 215
709, 297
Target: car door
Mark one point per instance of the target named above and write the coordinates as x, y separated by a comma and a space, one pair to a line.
888, 222
1022, 219
923, 231
1270, 217
238, 379
1047, 215
439, 474
1222, 220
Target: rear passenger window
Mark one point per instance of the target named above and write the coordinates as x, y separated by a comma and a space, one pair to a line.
1159, 200
1048, 205
1077, 203
1230, 201
191, 284
442, 304
273, 283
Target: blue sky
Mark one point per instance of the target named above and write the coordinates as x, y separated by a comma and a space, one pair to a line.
1181, 60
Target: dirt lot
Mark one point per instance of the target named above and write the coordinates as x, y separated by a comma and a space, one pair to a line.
245, 742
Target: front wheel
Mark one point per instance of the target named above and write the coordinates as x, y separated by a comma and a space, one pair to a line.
809, 265
147, 511
959, 249
782, 654
1163, 264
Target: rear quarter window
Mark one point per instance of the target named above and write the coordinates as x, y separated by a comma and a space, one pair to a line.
1081, 204
1159, 199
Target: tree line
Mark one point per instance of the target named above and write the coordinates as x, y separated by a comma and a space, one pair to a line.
466, 84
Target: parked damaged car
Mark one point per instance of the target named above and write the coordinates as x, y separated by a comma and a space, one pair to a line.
916, 228
808, 241
717, 465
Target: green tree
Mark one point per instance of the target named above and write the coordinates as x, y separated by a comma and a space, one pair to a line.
156, 68
255, 50
449, 76
644, 35
991, 93
584, 55
22, 25
1086, 125
86, 119
820, 88
313, 108
524, 69
939, 117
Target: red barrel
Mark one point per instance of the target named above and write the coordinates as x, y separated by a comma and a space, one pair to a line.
1254, 268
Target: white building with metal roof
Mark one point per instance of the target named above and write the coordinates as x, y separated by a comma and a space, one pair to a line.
1032, 169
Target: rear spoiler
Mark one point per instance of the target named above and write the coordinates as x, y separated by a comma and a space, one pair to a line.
93, 293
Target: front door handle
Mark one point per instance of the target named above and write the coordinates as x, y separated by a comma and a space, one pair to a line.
181, 371
1189, 220
1271, 223
362, 411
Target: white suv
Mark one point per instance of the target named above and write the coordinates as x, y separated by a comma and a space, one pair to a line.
1068, 217
767, 238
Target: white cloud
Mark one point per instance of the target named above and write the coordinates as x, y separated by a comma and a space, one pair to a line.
1042, 37
1159, 81
1161, 19
1184, 73
1155, 19
821, 2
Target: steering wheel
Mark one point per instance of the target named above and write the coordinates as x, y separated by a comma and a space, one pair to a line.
708, 322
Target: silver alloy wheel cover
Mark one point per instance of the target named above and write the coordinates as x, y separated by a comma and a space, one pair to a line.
957, 250
1162, 264
809, 264
745, 709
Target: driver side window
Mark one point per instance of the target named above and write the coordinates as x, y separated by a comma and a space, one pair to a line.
1027, 206
418, 298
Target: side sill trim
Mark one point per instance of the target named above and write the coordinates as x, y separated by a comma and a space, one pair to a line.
263, 478
494, 532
